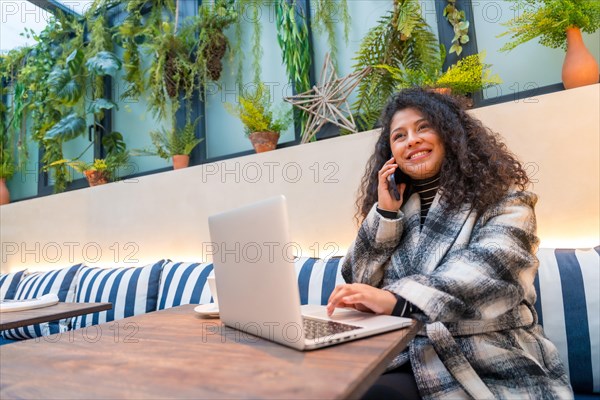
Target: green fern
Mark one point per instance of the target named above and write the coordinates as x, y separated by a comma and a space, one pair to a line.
401, 39
256, 112
549, 19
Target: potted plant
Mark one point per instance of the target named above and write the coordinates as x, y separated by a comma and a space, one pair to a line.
262, 124
558, 24
101, 170
173, 143
469, 75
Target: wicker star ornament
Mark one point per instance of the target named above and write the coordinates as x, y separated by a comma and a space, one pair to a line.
327, 101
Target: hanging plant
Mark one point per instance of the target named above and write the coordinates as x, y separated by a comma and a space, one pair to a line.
327, 15
292, 36
186, 57
212, 42
459, 22
7, 163
243, 6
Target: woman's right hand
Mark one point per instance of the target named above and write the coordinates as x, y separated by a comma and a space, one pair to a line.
384, 197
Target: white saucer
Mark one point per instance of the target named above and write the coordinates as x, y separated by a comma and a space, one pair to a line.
208, 310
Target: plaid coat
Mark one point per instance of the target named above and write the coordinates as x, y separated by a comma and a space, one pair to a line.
472, 277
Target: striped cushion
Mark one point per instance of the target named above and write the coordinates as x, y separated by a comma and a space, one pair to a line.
317, 278
9, 283
132, 291
568, 306
184, 283
62, 283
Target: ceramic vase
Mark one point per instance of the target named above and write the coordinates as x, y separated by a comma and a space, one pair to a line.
579, 68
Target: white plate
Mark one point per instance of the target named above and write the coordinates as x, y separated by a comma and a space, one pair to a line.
208, 310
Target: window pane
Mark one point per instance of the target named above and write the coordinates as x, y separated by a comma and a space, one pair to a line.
225, 132
24, 182
135, 122
529, 65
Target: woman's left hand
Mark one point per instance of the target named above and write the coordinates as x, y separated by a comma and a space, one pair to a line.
362, 298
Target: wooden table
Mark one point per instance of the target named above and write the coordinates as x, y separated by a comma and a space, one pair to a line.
17, 319
175, 354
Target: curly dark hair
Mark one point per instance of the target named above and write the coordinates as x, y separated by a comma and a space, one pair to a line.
478, 169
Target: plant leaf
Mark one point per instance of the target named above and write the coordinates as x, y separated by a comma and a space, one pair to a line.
104, 63
67, 128
75, 61
64, 87
98, 105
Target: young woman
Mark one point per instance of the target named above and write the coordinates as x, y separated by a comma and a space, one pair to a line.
455, 250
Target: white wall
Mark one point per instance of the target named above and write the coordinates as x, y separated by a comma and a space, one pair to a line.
165, 215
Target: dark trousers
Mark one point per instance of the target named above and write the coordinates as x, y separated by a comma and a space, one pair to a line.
397, 384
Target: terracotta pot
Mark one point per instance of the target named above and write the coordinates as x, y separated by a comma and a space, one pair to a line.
467, 102
264, 141
579, 68
180, 161
4, 194
442, 90
96, 178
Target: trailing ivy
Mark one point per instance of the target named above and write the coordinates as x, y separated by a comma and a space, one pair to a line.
292, 36
459, 23
328, 14
256, 43
244, 6
129, 34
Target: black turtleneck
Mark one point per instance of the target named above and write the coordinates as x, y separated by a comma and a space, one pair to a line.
427, 188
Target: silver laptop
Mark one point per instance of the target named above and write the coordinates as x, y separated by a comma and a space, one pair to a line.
257, 286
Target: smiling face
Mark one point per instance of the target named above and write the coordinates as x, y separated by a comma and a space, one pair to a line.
416, 146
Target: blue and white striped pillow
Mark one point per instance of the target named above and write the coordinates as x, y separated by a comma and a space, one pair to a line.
132, 291
317, 278
568, 307
184, 283
62, 283
9, 283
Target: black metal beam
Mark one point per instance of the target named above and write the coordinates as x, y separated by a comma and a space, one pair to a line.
197, 106
446, 34
446, 31
52, 6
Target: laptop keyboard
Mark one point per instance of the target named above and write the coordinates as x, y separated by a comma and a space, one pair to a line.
315, 328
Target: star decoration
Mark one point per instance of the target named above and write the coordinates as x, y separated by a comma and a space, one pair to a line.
327, 101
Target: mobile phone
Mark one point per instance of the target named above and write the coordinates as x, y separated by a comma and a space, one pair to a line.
394, 180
